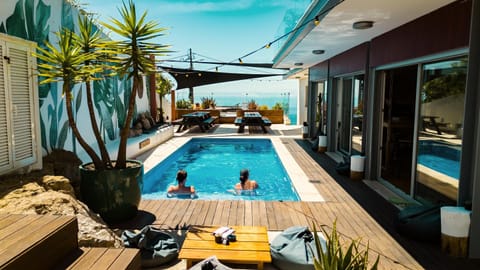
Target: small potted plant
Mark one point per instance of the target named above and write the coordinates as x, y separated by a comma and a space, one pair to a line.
110, 188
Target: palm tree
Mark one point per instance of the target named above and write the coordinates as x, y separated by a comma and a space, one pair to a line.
133, 59
90, 41
67, 64
163, 87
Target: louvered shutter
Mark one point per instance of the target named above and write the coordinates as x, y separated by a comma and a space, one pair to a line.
21, 105
5, 146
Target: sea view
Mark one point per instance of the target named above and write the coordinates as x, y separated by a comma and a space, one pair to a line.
290, 107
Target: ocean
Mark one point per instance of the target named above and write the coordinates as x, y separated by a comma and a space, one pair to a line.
289, 102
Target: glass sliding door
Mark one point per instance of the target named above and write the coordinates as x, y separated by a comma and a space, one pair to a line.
344, 125
439, 142
350, 94
357, 114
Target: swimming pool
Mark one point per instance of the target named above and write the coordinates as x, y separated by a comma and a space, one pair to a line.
440, 156
213, 167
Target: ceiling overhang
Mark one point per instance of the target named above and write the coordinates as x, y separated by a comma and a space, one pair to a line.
335, 33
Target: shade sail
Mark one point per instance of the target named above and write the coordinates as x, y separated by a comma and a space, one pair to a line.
187, 78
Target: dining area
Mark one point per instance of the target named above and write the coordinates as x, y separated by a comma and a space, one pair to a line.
203, 119
252, 119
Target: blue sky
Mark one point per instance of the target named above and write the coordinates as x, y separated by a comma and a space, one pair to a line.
221, 30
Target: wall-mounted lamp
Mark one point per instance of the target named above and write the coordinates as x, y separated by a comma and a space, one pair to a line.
318, 51
360, 25
298, 64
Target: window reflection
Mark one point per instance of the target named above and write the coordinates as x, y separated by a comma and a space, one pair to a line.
440, 130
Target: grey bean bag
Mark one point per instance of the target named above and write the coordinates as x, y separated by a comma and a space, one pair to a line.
156, 247
290, 249
210, 263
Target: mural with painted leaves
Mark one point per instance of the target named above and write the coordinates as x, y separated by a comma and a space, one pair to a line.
33, 20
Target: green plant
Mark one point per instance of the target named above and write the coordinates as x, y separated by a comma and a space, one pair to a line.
208, 102
83, 58
183, 104
336, 256
252, 105
132, 56
163, 87
277, 106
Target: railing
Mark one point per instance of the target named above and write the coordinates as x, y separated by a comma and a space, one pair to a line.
276, 116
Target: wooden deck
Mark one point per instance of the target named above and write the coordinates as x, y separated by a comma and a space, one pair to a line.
353, 222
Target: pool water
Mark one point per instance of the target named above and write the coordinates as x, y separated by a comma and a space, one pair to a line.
213, 167
440, 156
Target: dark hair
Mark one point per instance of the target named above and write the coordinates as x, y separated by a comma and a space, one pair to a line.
181, 175
243, 175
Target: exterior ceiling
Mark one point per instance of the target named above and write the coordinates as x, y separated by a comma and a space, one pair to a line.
335, 33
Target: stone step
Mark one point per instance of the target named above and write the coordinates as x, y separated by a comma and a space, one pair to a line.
40, 240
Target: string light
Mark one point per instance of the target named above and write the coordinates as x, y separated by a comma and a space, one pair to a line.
268, 45
240, 60
316, 21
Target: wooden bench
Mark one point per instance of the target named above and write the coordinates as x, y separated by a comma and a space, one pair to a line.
177, 122
51, 242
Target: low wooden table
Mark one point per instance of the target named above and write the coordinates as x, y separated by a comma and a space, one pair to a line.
251, 247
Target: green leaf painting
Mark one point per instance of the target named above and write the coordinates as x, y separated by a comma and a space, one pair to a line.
67, 16
104, 99
52, 116
21, 23
62, 138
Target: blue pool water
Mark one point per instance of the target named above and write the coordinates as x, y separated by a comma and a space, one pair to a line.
440, 156
213, 167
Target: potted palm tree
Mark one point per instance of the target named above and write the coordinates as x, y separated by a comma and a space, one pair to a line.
110, 188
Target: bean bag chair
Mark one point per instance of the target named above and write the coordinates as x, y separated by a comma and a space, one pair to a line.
420, 223
156, 247
292, 249
210, 263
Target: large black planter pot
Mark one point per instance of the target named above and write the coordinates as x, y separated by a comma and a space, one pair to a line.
114, 194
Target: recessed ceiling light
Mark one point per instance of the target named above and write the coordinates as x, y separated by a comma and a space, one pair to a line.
318, 51
298, 64
362, 25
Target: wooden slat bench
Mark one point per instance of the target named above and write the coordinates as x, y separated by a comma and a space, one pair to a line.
51, 242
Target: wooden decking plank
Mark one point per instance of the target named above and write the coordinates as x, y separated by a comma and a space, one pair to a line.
212, 206
284, 219
163, 209
217, 218
108, 257
248, 218
262, 213
232, 217
14, 227
200, 212
225, 212
240, 219
272, 222
88, 259
189, 211
7, 220
129, 259
22, 238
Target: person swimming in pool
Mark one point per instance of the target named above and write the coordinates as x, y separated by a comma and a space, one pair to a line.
245, 183
181, 188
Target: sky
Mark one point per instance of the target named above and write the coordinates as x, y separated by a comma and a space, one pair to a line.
217, 30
